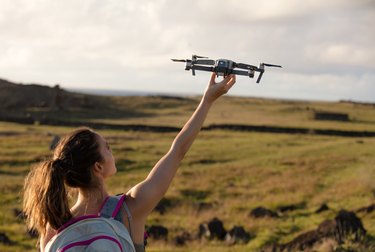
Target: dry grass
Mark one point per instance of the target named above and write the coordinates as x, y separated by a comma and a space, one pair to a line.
230, 172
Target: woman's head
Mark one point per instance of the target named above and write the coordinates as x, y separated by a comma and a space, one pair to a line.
80, 160
75, 157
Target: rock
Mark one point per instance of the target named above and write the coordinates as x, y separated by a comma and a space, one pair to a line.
302, 242
4, 239
327, 228
237, 235
21, 216
163, 205
157, 232
271, 248
18, 214
367, 209
181, 239
347, 223
322, 208
203, 231
292, 207
261, 212
213, 229
331, 116
345, 226
32, 233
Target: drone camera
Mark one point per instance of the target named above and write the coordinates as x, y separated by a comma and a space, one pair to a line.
223, 67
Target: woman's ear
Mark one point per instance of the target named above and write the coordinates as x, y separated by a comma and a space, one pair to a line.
98, 168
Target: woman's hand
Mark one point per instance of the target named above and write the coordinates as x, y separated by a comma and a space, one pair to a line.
217, 89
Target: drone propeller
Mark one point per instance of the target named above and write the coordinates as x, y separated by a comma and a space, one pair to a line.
270, 65
179, 60
199, 57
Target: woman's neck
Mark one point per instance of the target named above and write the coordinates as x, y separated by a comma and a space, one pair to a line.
89, 202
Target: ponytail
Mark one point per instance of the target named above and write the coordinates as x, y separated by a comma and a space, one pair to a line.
45, 197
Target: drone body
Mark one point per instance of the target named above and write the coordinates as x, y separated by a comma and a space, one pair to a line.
223, 67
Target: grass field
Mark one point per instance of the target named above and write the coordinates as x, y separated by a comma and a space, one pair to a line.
231, 172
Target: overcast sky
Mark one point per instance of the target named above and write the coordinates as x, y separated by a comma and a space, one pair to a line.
326, 48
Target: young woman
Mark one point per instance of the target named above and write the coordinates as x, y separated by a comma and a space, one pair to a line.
83, 160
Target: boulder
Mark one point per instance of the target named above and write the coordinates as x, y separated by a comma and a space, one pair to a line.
291, 207
18, 214
367, 209
4, 239
322, 208
237, 235
157, 232
302, 242
213, 229
181, 239
165, 204
32, 233
261, 212
345, 226
331, 116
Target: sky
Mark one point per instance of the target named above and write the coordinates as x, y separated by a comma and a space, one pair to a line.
326, 48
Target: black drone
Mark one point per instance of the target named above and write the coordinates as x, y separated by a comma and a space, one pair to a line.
223, 67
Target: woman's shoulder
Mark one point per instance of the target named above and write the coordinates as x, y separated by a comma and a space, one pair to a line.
45, 238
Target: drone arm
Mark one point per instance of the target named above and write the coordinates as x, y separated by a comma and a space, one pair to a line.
212, 69
203, 68
239, 72
260, 76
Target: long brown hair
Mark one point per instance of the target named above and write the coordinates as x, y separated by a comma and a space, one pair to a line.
45, 198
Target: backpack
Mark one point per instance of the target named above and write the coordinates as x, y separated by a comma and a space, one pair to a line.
97, 232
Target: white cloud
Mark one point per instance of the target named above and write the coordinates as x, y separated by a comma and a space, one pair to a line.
115, 42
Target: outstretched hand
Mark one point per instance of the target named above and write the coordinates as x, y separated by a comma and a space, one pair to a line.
216, 89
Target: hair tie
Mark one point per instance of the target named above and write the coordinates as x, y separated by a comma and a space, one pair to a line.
58, 164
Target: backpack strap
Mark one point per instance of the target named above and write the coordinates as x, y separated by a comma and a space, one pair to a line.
111, 209
112, 206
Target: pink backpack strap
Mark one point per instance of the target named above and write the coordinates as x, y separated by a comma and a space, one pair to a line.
112, 206
111, 209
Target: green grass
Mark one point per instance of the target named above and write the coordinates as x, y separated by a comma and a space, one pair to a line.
232, 172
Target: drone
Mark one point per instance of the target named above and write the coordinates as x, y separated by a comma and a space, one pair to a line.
223, 67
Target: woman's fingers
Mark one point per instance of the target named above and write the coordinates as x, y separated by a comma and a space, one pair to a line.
231, 81
213, 78
228, 81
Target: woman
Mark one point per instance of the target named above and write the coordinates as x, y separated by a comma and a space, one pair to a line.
84, 160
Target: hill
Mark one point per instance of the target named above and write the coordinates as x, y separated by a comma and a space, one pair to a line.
25, 96
39, 104
260, 165
28, 103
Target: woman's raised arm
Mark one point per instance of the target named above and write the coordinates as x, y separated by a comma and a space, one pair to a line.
150, 191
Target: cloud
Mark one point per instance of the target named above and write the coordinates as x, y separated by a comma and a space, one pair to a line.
118, 41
